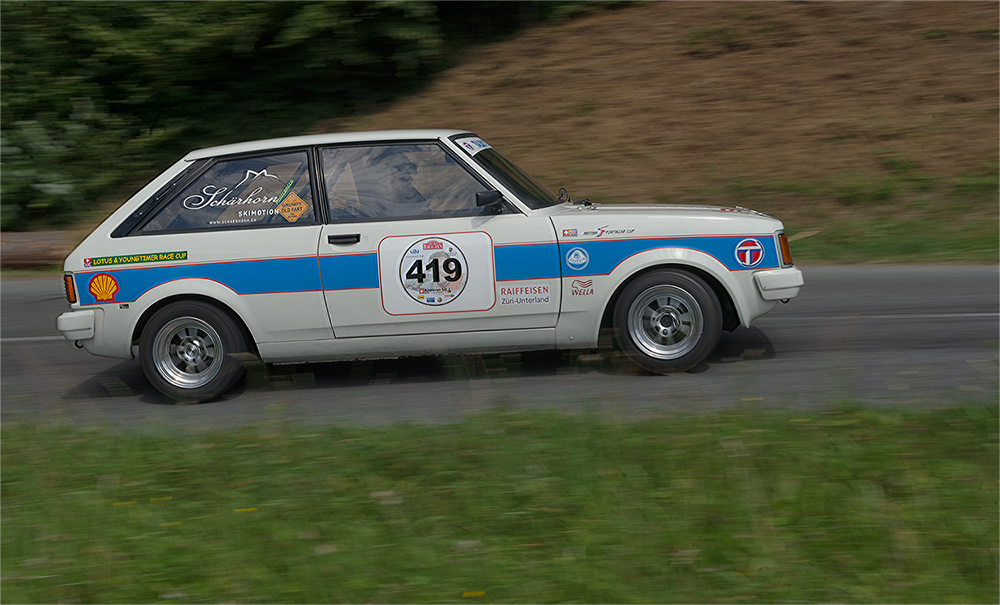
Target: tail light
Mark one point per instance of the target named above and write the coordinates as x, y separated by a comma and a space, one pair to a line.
70, 286
786, 251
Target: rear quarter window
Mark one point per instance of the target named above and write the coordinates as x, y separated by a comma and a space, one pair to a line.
254, 191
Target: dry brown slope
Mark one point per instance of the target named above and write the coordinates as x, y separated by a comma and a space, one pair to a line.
675, 101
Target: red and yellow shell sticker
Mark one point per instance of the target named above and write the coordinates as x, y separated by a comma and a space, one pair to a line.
292, 207
103, 287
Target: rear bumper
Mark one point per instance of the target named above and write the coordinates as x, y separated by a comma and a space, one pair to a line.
77, 325
779, 284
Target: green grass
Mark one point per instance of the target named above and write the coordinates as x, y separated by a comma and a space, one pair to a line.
900, 181
900, 240
899, 214
848, 505
43, 271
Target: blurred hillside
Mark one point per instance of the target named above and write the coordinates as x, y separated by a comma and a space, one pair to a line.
101, 95
874, 124
825, 114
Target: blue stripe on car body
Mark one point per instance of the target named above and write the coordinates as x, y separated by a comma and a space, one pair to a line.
512, 262
604, 255
268, 276
526, 261
349, 271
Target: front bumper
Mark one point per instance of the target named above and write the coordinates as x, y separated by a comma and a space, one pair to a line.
779, 284
77, 325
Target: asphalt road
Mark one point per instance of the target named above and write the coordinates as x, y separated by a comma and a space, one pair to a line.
870, 335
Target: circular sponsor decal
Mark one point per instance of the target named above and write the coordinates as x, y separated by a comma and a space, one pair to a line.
433, 271
577, 259
749, 253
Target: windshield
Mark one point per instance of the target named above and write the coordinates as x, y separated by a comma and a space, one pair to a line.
522, 184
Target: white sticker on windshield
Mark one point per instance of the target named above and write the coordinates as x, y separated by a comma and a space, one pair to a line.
473, 145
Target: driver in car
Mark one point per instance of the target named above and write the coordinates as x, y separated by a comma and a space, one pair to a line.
404, 191
397, 196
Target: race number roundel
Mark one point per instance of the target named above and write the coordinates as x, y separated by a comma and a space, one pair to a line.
433, 271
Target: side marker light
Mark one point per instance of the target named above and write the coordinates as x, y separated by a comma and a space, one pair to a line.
786, 251
70, 287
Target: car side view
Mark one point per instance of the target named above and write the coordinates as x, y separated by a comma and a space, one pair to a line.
401, 243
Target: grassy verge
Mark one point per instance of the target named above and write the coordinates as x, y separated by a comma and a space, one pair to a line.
897, 215
44, 271
745, 506
898, 239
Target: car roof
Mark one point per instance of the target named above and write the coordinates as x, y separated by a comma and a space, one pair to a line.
323, 139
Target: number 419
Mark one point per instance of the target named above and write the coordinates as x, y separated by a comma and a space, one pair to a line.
452, 270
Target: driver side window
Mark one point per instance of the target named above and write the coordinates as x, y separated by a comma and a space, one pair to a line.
397, 181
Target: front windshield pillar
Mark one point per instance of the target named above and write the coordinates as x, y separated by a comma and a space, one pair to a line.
532, 193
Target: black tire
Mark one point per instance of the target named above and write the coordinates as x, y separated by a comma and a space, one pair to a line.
190, 350
667, 320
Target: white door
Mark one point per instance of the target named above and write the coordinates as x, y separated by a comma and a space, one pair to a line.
407, 250
249, 224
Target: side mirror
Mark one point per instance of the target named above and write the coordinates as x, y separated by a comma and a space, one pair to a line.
487, 198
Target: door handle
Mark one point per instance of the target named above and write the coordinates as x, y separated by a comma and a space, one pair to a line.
344, 239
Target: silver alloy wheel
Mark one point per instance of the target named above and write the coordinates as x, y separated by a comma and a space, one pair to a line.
665, 322
188, 352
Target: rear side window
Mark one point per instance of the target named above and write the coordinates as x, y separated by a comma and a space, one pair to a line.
262, 190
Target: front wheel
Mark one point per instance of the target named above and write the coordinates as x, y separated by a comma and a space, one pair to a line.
187, 351
668, 320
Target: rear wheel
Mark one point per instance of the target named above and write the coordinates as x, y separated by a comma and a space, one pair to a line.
668, 320
187, 351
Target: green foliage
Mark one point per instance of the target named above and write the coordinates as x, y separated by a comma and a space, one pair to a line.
96, 94
756, 505
95, 91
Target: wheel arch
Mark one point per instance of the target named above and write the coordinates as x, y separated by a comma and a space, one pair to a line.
730, 315
159, 304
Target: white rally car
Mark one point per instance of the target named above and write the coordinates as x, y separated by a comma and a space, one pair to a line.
389, 244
